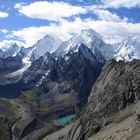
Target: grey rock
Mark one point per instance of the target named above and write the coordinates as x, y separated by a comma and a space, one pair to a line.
117, 87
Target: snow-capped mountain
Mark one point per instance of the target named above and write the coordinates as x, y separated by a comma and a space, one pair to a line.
47, 44
9, 50
89, 38
128, 48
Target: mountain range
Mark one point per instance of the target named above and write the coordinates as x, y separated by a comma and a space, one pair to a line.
54, 79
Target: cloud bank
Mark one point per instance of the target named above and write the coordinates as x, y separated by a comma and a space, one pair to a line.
109, 24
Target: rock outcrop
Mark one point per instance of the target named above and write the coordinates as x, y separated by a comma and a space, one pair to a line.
114, 101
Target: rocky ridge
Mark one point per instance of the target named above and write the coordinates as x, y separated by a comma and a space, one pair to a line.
110, 103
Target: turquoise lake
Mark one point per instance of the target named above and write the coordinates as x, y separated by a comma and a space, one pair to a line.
66, 119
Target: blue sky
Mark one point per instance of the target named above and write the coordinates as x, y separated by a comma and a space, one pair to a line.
26, 21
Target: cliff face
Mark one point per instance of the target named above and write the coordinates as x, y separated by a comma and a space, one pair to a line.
113, 103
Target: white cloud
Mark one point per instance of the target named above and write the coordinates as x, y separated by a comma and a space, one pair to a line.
121, 3
112, 31
7, 43
49, 10
3, 14
19, 5
4, 31
108, 16
31, 35
63, 31
110, 25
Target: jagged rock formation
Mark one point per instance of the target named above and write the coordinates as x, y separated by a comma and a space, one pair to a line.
63, 85
37, 71
126, 50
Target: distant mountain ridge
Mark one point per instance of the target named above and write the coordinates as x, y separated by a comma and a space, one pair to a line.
126, 49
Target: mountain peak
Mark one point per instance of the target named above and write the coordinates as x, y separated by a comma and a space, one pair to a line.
88, 37
91, 32
9, 49
47, 44
129, 48
48, 37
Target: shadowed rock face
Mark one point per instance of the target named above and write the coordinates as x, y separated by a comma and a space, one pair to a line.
69, 82
117, 87
7, 67
37, 71
63, 85
10, 64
